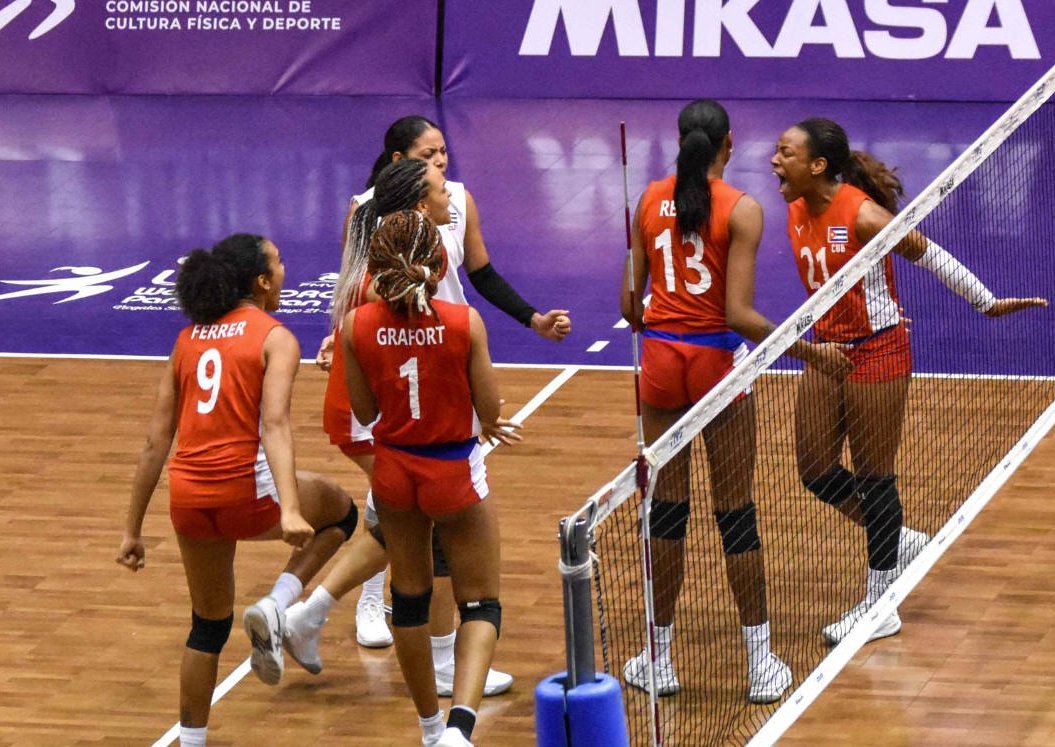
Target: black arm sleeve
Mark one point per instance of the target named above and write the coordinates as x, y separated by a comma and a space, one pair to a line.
493, 287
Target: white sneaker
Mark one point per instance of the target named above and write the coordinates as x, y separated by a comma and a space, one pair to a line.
302, 637
371, 630
495, 684
264, 626
635, 672
837, 630
769, 681
453, 737
909, 544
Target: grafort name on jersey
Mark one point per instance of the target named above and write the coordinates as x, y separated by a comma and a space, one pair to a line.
408, 337
887, 29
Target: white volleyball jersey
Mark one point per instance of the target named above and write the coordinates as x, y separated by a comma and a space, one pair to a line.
453, 235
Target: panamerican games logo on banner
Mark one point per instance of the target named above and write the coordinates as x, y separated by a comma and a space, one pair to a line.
75, 283
60, 11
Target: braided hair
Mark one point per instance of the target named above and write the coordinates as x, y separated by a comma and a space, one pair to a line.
399, 136
400, 186
213, 282
703, 126
406, 258
826, 139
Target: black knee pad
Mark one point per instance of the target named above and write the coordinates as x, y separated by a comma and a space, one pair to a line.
209, 636
739, 529
439, 560
884, 518
834, 488
488, 610
668, 521
410, 610
347, 524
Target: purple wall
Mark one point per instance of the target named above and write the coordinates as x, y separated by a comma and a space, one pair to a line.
216, 46
970, 50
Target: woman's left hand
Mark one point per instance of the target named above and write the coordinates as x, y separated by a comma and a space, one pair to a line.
502, 430
553, 325
1004, 306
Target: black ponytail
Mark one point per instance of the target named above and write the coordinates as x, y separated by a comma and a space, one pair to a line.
400, 135
703, 126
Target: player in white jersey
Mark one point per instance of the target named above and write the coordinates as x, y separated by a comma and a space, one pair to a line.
418, 138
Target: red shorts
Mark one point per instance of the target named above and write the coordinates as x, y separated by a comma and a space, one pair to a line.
356, 448
238, 522
884, 356
435, 486
679, 374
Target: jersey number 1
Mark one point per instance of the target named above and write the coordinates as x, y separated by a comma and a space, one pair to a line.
409, 370
695, 262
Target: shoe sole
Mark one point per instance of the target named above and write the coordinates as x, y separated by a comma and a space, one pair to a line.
446, 692
267, 668
312, 668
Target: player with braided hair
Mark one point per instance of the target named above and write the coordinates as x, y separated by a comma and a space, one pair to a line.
422, 367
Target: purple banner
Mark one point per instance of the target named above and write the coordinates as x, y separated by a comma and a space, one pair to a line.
931, 50
216, 46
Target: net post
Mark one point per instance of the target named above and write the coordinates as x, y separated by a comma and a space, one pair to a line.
576, 570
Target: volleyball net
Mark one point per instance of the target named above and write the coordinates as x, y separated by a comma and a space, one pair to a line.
979, 397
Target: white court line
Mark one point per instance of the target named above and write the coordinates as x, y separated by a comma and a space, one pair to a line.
839, 656
521, 415
597, 346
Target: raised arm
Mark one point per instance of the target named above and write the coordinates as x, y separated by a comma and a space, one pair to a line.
554, 325
152, 458
953, 274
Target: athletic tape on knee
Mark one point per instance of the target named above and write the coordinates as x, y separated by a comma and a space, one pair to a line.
410, 610
439, 560
488, 610
834, 488
668, 520
739, 529
209, 636
884, 517
347, 524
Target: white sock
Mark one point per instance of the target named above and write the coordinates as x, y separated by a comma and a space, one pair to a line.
374, 587
664, 636
189, 737
443, 649
319, 604
286, 589
433, 726
756, 640
878, 583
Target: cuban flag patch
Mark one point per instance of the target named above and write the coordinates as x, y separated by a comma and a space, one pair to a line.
838, 235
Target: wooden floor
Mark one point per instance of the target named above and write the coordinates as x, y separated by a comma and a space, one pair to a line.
90, 652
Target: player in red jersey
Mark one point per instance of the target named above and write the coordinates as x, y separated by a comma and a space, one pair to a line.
694, 240
838, 201
226, 391
422, 367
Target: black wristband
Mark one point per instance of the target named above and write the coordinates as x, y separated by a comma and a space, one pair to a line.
494, 288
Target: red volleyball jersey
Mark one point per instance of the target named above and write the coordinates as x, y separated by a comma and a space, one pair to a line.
687, 272
822, 244
337, 420
419, 372
219, 370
